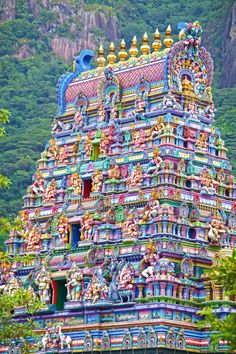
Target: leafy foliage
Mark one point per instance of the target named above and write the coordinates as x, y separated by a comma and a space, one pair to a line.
223, 329
9, 327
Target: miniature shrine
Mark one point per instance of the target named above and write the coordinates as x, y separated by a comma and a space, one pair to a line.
133, 201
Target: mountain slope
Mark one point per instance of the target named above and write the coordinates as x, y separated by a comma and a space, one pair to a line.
37, 42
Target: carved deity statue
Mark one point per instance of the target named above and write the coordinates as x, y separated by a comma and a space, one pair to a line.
147, 264
136, 176
86, 226
43, 281
63, 228
37, 188
34, 238
13, 284
74, 283
97, 179
125, 278
155, 163
76, 183
217, 228
50, 192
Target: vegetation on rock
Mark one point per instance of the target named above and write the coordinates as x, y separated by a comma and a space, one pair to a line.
29, 72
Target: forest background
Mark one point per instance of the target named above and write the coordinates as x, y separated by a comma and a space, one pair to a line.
38, 39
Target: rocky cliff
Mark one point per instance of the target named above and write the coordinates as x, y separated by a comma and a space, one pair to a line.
229, 51
68, 25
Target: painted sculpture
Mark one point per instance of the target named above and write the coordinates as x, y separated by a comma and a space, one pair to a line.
132, 203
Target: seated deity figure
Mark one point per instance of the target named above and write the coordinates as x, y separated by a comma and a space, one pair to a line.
155, 164
74, 283
217, 229
34, 238
50, 192
136, 176
13, 284
37, 188
125, 278
147, 264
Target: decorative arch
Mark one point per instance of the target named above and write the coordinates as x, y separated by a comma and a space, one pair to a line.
143, 88
81, 102
108, 88
185, 72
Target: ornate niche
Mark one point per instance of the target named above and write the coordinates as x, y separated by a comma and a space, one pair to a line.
190, 68
142, 90
80, 117
108, 96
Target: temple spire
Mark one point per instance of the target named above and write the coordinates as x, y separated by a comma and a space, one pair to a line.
145, 48
111, 56
122, 53
101, 60
156, 45
134, 48
168, 41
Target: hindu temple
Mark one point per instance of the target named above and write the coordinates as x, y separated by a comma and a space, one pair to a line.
132, 202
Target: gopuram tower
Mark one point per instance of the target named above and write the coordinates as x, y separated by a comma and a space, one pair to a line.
133, 201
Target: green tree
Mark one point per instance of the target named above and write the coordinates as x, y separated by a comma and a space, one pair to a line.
223, 329
4, 118
13, 332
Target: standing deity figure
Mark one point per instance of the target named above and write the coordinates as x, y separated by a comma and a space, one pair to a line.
114, 112
191, 36
37, 188
86, 226
140, 104
136, 176
97, 179
76, 183
104, 144
34, 238
63, 228
101, 114
74, 283
88, 146
78, 118
147, 264
192, 107
13, 284
43, 281
125, 278
50, 192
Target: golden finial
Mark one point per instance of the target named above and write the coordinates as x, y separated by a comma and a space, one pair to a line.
145, 48
111, 56
156, 45
168, 41
133, 49
122, 53
101, 60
